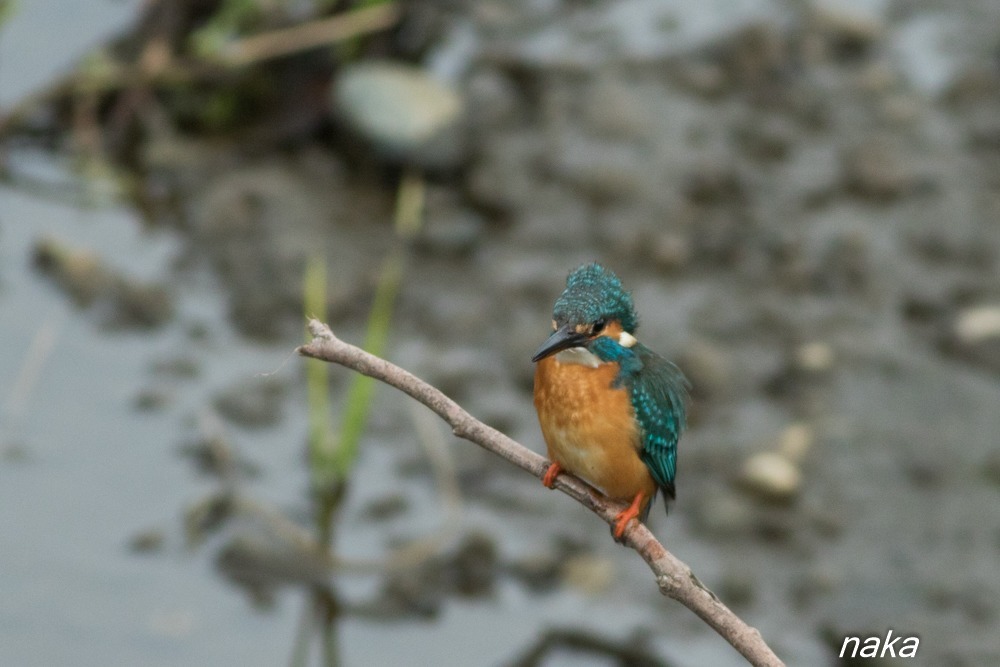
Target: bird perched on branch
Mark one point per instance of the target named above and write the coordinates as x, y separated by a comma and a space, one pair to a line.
611, 409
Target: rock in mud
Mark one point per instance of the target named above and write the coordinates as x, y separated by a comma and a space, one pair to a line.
255, 403
260, 563
771, 477
878, 170
386, 508
977, 325
402, 111
814, 358
148, 541
766, 138
974, 335
474, 567
796, 441
124, 302
80, 273
845, 266
152, 399
588, 574
138, 305
844, 35
215, 455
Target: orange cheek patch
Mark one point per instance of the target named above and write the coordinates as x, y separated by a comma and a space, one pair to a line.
613, 329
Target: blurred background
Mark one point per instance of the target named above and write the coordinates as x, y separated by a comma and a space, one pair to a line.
802, 195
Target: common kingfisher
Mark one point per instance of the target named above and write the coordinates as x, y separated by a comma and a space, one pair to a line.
611, 409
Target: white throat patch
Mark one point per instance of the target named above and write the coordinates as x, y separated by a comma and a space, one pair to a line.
625, 339
578, 355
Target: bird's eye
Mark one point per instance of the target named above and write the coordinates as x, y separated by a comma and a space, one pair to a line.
599, 325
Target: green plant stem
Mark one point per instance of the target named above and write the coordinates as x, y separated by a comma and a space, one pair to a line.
322, 443
359, 397
336, 459
331, 458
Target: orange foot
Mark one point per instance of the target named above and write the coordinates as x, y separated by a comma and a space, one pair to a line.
551, 474
626, 515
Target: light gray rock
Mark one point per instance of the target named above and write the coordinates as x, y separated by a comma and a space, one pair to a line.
771, 476
402, 111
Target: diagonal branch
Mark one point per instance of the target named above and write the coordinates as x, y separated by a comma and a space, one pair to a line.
675, 579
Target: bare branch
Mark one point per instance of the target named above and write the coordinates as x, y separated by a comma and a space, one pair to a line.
321, 32
674, 578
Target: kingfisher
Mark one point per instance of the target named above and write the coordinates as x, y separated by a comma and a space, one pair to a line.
611, 410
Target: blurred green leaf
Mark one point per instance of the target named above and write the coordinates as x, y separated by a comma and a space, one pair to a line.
230, 20
322, 441
362, 391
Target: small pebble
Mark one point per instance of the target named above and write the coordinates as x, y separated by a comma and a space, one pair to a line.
401, 110
151, 399
147, 541
796, 441
588, 574
474, 566
849, 34
80, 273
878, 170
139, 305
977, 324
815, 357
386, 507
254, 402
771, 476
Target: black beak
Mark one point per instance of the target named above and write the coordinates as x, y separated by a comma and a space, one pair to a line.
562, 338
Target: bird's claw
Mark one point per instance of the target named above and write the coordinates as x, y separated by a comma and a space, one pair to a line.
550, 475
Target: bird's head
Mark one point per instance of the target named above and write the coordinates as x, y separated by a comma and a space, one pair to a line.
593, 305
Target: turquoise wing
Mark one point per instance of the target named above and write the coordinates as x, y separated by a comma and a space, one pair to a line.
659, 397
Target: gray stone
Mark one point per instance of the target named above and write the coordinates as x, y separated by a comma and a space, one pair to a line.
974, 335
977, 324
877, 169
253, 402
796, 441
402, 111
771, 476
845, 33
815, 357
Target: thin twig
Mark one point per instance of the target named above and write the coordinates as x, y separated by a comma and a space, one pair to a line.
156, 68
321, 32
674, 578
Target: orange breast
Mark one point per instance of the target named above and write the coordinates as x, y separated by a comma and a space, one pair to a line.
590, 427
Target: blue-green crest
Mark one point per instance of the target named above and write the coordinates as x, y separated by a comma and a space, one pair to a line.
593, 293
